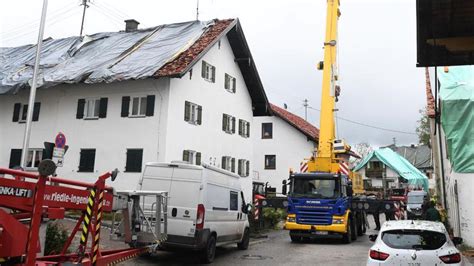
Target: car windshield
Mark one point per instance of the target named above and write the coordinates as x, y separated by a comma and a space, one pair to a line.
414, 239
415, 199
315, 188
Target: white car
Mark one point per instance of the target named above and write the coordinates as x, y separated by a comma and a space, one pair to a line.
414, 243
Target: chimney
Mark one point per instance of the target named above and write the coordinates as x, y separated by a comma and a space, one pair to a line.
131, 25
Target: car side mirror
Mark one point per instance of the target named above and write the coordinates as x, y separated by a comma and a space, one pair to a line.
457, 241
284, 188
247, 208
372, 238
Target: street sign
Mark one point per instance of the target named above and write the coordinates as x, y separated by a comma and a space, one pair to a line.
58, 156
60, 140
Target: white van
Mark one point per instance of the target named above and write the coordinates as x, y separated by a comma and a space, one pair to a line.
206, 207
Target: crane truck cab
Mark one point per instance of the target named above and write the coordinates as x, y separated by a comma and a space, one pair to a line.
206, 206
319, 204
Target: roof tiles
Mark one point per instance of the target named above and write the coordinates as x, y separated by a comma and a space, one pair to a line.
297, 122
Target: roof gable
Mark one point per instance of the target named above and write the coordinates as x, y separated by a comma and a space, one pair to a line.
297, 122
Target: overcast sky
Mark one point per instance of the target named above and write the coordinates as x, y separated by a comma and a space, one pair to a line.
381, 85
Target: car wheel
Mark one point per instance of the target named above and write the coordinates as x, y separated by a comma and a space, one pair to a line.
295, 239
244, 244
209, 251
347, 237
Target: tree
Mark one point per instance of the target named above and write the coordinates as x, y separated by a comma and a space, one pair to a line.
363, 149
423, 129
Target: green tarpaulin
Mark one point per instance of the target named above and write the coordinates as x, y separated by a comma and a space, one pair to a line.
457, 115
399, 164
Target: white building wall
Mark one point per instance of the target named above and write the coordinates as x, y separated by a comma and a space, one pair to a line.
289, 145
459, 196
209, 138
377, 182
110, 136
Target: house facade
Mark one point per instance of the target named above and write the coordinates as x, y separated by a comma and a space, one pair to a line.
281, 142
451, 121
198, 107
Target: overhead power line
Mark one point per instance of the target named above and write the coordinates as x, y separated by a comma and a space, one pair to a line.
366, 125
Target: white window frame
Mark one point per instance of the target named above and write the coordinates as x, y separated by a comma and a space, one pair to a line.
242, 167
23, 110
130, 111
94, 111
33, 152
230, 83
193, 113
229, 128
245, 128
209, 72
191, 156
228, 163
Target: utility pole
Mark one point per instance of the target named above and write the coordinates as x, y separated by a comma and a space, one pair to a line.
31, 102
394, 141
84, 3
197, 10
305, 104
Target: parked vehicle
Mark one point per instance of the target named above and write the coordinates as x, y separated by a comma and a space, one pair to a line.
409, 242
415, 203
206, 207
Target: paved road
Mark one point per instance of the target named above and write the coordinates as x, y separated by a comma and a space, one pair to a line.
276, 250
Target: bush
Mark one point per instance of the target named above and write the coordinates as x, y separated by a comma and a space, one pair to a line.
273, 216
56, 237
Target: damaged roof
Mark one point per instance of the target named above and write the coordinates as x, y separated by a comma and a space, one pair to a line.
297, 122
169, 50
430, 100
419, 156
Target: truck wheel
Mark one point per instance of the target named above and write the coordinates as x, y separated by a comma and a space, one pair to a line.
347, 237
209, 252
354, 230
244, 244
295, 239
360, 226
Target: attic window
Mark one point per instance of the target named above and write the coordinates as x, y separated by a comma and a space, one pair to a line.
229, 83
208, 72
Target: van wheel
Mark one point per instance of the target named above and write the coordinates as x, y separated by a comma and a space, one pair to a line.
244, 244
209, 251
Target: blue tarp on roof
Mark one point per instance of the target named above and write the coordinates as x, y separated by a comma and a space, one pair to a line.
399, 164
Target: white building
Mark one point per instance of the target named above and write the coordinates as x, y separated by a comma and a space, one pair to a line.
281, 141
453, 153
135, 101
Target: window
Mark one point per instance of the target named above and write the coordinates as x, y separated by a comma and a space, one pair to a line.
134, 160
414, 239
267, 130
244, 128
208, 72
192, 113
228, 123
87, 160
229, 83
192, 157
93, 108
32, 161
20, 112
270, 162
228, 163
234, 201
138, 106
243, 167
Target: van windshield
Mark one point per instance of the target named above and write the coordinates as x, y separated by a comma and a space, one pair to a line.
315, 188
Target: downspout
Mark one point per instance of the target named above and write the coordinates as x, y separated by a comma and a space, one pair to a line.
159, 119
440, 142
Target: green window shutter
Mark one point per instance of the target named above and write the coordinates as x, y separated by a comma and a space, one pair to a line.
233, 85
239, 167
213, 74
248, 130
187, 110
233, 125
226, 81
232, 165
36, 111
186, 155
198, 158
224, 122
223, 165
80, 108
199, 118
203, 69
241, 127
247, 168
